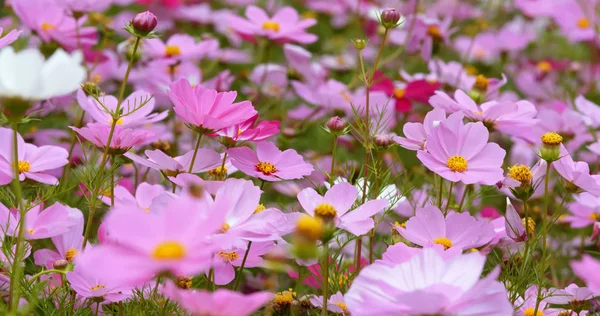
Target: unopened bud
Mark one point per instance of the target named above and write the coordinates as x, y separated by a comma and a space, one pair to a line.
359, 43
382, 140
60, 264
144, 23
390, 18
90, 88
336, 124
550, 150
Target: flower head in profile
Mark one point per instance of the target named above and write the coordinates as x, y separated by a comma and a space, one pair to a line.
577, 175
123, 138
572, 295
428, 284
429, 227
207, 109
206, 159
34, 162
68, 245
335, 207
461, 152
285, 26
585, 210
415, 134
40, 222
220, 302
269, 163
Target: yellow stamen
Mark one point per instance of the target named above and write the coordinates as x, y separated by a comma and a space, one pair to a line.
594, 217
529, 223
457, 163
218, 171
97, 287
583, 23
471, 70
169, 250
259, 208
119, 121
31, 231
342, 306
520, 173
481, 83
271, 26
225, 228
530, 312
227, 256
309, 227
403, 224
23, 166
70, 255
172, 50
325, 211
552, 138
399, 93
447, 243
48, 26
266, 168
435, 32
544, 66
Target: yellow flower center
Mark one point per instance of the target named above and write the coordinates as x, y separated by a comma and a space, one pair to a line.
529, 223
342, 305
183, 282
346, 96
271, 26
22, 165
325, 211
403, 224
48, 26
474, 250
225, 228
228, 256
97, 287
70, 255
31, 231
172, 50
481, 83
594, 217
308, 15
552, 138
530, 312
447, 243
218, 171
259, 208
520, 173
435, 32
169, 250
470, 70
544, 66
457, 163
119, 121
583, 23
284, 298
266, 168
399, 93
309, 227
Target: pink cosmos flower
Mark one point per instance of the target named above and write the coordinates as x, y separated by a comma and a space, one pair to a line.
250, 131
206, 159
206, 108
68, 245
299, 59
335, 205
144, 195
174, 241
528, 303
335, 303
400, 253
34, 162
589, 110
40, 223
573, 21
577, 174
271, 78
429, 227
461, 152
82, 6
417, 133
285, 26
9, 38
269, 163
123, 138
425, 32
481, 48
232, 256
179, 47
201, 302
571, 294
426, 285
587, 269
136, 108
585, 210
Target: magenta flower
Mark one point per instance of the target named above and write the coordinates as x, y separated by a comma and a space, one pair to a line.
34, 162
587, 269
123, 138
232, 256
416, 133
461, 152
247, 131
39, 223
427, 285
68, 245
206, 159
269, 163
136, 108
429, 227
335, 206
9, 37
179, 47
206, 108
144, 195
585, 210
201, 302
576, 174
285, 26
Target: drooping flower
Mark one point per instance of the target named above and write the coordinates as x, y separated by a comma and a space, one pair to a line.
206, 108
179, 47
429, 227
416, 133
269, 163
28, 76
33, 162
250, 131
461, 152
285, 26
428, 285
136, 109
40, 222
577, 175
123, 138
335, 206
219, 302
206, 159
572, 295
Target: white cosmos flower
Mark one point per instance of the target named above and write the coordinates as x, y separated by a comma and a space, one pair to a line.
28, 76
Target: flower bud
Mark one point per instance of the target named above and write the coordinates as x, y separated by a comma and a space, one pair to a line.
359, 43
60, 264
390, 18
382, 140
91, 88
550, 150
144, 23
336, 124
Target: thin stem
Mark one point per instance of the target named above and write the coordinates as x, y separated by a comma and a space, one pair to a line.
440, 188
33, 278
449, 198
67, 167
333, 152
544, 232
88, 227
112, 183
17, 269
464, 197
241, 269
526, 212
325, 270
195, 153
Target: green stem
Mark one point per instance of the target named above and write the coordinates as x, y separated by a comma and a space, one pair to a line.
17, 269
440, 188
544, 232
33, 278
333, 152
195, 153
325, 270
449, 198
67, 167
88, 226
464, 198
241, 269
